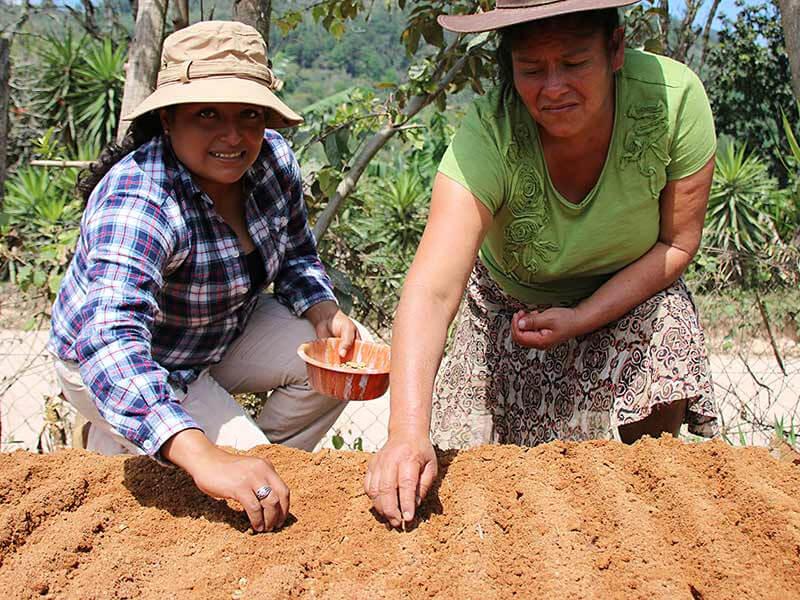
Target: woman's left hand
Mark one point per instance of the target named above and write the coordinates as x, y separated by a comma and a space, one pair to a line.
329, 321
544, 329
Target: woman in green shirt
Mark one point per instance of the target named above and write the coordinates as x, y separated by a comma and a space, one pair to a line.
580, 185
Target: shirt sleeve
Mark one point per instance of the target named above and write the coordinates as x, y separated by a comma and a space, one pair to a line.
130, 242
301, 281
694, 140
473, 159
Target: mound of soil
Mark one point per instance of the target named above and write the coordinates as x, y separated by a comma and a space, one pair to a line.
661, 519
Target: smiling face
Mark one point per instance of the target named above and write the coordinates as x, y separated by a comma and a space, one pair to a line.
216, 142
565, 78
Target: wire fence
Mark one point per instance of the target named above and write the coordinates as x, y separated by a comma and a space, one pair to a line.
752, 341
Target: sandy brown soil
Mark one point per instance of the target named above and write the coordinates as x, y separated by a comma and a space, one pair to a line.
594, 520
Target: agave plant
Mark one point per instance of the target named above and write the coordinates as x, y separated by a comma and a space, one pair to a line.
101, 83
60, 56
396, 215
79, 88
737, 223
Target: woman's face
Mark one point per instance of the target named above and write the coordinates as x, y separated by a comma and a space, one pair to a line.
566, 79
216, 142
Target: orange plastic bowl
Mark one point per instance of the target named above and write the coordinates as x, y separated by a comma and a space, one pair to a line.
328, 374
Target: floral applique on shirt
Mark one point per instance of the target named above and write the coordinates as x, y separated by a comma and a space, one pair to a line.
523, 246
646, 141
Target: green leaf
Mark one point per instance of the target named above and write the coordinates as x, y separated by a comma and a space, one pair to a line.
417, 72
39, 278
478, 40
337, 29
654, 45
54, 282
337, 441
328, 181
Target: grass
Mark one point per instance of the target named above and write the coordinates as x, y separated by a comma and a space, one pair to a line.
731, 319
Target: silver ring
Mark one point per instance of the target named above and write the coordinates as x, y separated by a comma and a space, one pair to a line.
263, 492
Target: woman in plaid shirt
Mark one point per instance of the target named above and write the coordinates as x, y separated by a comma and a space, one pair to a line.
161, 315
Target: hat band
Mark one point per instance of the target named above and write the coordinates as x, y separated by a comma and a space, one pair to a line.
512, 4
189, 70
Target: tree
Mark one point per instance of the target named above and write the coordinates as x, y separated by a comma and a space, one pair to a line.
653, 25
144, 57
440, 66
256, 13
749, 82
790, 19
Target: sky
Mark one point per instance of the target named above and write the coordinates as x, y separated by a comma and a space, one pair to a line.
728, 7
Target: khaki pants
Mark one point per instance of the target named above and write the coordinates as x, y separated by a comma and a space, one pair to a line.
264, 358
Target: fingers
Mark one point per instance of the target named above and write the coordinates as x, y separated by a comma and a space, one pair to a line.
272, 511
346, 330
526, 321
386, 502
269, 512
254, 510
407, 480
426, 479
322, 330
531, 330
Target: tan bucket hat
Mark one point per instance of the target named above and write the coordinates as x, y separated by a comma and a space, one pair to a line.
513, 12
217, 61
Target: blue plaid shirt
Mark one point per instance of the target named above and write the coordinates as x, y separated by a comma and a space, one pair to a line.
159, 288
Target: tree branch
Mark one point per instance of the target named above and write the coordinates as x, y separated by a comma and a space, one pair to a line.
707, 32
379, 139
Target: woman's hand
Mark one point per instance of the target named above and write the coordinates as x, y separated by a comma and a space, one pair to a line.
221, 474
544, 329
329, 321
403, 469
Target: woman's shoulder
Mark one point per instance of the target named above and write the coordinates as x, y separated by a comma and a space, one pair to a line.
648, 69
142, 173
139, 186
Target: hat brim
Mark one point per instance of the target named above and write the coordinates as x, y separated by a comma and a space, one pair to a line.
506, 17
220, 89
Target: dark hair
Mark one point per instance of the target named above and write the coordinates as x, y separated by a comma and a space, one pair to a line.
605, 20
142, 130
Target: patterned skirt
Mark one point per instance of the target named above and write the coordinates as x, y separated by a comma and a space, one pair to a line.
492, 390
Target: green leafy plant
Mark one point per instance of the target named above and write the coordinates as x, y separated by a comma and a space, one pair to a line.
736, 224
39, 223
339, 442
749, 79
78, 90
786, 433
100, 86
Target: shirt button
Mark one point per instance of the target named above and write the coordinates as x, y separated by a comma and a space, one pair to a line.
147, 444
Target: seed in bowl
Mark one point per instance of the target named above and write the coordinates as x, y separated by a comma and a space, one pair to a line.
354, 364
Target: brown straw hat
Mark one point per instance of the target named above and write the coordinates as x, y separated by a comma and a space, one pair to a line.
513, 12
217, 61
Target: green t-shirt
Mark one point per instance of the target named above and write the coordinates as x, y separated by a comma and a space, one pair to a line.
543, 249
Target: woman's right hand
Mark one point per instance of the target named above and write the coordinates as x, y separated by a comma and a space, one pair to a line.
404, 469
221, 474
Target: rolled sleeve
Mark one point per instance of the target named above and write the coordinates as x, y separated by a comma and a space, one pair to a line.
301, 281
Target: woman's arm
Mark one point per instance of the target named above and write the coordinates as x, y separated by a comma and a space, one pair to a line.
131, 242
683, 209
431, 294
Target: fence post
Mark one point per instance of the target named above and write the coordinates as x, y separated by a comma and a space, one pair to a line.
5, 68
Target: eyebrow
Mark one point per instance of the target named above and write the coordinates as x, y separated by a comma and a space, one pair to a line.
568, 54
